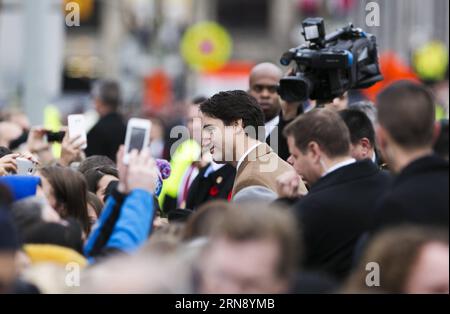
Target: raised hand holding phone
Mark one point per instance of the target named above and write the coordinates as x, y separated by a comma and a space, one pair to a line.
141, 173
8, 164
71, 149
137, 137
77, 128
25, 167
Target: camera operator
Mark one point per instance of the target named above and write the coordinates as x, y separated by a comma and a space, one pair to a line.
339, 103
328, 66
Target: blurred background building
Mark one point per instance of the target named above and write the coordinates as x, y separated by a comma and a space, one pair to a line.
44, 61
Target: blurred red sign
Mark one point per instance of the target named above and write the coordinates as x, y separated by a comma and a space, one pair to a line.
157, 91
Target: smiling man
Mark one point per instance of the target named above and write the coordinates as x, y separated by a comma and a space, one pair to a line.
233, 123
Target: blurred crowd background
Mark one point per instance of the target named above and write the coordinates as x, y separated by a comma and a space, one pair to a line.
143, 44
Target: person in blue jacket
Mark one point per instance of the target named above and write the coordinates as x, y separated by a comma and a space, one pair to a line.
127, 217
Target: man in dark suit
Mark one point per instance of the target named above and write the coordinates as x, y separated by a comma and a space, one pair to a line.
263, 82
338, 209
214, 181
405, 135
108, 133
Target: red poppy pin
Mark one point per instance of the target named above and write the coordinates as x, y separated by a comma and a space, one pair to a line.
213, 191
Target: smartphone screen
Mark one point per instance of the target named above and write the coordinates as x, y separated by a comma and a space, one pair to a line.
25, 167
76, 124
137, 139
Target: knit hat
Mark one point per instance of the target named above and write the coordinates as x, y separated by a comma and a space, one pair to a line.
45, 253
164, 171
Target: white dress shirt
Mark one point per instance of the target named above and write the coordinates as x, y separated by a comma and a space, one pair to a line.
270, 125
246, 153
213, 167
339, 165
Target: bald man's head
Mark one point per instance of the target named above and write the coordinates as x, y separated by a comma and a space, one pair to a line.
263, 83
265, 69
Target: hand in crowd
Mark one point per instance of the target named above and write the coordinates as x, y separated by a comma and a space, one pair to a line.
288, 185
29, 156
8, 163
123, 169
36, 140
160, 222
140, 173
37, 144
71, 149
8, 132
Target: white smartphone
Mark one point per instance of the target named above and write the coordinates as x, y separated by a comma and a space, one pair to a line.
25, 167
77, 126
137, 137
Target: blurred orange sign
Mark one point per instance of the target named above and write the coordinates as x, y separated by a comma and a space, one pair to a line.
157, 91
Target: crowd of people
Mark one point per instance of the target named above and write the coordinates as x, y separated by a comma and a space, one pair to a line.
273, 197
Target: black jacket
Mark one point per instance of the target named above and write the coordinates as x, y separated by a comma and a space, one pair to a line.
106, 136
282, 150
217, 185
419, 195
335, 213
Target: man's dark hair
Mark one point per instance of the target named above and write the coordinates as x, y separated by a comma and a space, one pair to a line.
233, 105
406, 110
108, 92
323, 126
367, 107
359, 125
94, 162
43, 232
94, 175
198, 100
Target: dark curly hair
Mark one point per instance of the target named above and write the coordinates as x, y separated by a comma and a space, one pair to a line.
233, 105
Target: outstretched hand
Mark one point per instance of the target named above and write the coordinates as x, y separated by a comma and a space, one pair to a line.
140, 173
